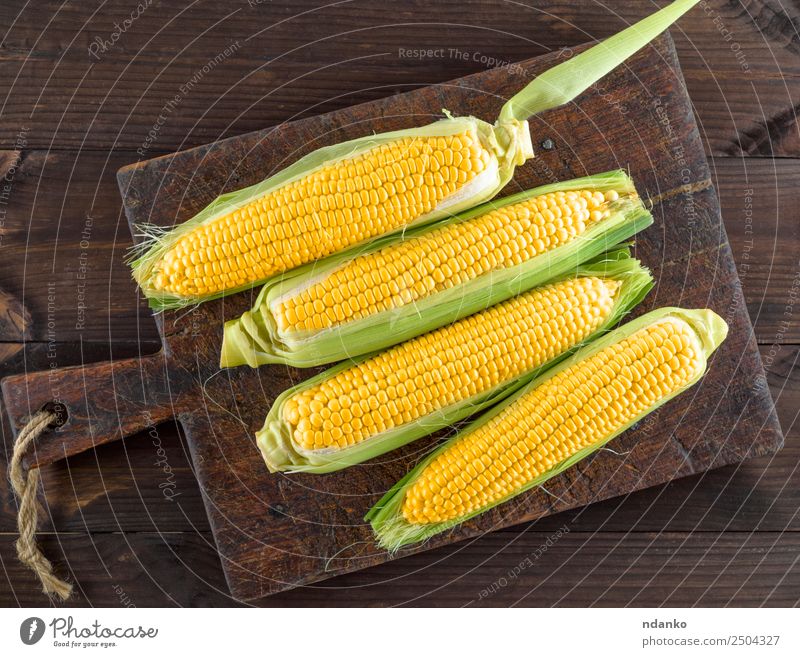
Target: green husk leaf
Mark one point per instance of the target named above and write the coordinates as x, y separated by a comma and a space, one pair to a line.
281, 454
253, 338
566, 81
393, 531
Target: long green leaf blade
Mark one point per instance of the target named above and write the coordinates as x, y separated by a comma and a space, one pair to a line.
565, 82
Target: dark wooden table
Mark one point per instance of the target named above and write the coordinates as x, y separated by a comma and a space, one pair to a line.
90, 87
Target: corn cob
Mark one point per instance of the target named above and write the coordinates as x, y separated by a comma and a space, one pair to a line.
551, 424
357, 411
399, 287
341, 196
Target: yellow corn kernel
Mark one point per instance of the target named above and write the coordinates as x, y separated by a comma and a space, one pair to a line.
323, 212
443, 258
565, 414
449, 365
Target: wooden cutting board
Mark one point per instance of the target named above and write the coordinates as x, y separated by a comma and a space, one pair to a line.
275, 531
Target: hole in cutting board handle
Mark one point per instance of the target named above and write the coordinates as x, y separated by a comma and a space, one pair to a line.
60, 409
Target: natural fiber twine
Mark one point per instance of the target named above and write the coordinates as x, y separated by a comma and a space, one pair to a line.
25, 482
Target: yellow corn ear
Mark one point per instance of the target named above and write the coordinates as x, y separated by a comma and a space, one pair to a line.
419, 377
551, 423
445, 257
338, 205
335, 198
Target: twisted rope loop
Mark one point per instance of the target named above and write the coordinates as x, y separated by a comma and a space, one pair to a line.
25, 483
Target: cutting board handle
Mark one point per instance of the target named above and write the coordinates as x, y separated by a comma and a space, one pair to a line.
96, 403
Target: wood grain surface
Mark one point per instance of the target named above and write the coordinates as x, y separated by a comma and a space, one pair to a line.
276, 532
116, 487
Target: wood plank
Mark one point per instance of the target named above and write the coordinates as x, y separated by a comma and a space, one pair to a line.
760, 201
535, 569
746, 115
295, 59
65, 242
144, 484
167, 569
81, 185
578, 569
